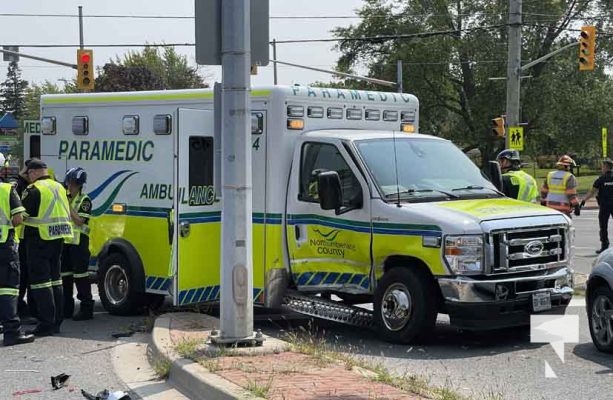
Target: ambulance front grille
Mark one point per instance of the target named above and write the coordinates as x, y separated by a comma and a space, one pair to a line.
328, 309
528, 249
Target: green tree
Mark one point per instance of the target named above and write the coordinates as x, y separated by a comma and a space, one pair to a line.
12, 91
150, 69
451, 48
32, 98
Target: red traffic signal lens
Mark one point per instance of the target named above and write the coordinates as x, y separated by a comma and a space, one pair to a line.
85, 58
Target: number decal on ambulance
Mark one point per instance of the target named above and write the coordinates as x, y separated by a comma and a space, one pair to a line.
256, 144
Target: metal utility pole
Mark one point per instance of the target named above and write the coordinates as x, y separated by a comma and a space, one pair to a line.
513, 65
81, 26
274, 57
236, 319
399, 75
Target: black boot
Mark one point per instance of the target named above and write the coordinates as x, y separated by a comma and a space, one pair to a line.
86, 311
19, 338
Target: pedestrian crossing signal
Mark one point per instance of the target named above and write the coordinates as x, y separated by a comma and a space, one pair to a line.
498, 127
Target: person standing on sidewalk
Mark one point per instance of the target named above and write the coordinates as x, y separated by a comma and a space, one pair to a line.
559, 191
75, 256
47, 226
516, 183
11, 215
603, 190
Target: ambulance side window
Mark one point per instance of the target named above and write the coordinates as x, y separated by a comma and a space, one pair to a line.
321, 157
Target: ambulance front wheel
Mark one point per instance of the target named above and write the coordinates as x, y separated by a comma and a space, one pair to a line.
116, 287
405, 305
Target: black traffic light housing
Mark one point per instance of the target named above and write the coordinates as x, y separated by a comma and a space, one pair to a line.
498, 128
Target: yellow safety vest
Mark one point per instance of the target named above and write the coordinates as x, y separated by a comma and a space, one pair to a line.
527, 185
53, 220
5, 211
76, 229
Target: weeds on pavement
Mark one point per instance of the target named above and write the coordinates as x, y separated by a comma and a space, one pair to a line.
188, 348
259, 390
161, 366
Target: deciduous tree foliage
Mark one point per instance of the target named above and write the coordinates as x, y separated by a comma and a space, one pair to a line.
150, 69
454, 47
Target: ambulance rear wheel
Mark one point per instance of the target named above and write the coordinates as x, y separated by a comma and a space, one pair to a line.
404, 306
116, 287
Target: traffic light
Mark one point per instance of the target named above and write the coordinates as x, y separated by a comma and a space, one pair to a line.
85, 69
587, 47
498, 127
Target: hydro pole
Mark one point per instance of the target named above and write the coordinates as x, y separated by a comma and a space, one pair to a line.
513, 65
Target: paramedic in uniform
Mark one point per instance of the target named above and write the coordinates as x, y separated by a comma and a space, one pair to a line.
603, 189
516, 183
559, 190
47, 226
26, 310
11, 215
75, 256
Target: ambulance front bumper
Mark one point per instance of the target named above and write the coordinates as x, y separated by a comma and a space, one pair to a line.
505, 302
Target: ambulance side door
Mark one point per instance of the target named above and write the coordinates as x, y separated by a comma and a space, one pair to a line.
197, 213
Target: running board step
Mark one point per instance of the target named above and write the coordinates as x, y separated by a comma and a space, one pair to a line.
328, 309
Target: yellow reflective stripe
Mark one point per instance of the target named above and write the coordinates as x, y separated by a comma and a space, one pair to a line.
43, 285
63, 274
57, 283
9, 292
82, 275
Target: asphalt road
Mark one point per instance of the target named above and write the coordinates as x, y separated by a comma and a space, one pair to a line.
587, 240
83, 351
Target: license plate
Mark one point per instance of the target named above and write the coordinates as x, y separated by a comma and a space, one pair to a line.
541, 301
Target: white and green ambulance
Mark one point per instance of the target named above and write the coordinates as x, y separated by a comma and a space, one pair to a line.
350, 205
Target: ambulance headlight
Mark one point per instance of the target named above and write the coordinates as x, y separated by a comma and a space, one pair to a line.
464, 254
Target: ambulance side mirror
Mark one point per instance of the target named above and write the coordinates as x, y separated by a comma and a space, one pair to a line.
329, 190
495, 174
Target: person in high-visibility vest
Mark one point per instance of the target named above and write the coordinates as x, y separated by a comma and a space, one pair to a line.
47, 226
11, 215
516, 183
559, 190
75, 257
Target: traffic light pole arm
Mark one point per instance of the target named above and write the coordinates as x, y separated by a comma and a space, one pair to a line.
546, 56
73, 66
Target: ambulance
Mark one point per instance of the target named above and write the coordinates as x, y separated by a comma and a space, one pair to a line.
357, 217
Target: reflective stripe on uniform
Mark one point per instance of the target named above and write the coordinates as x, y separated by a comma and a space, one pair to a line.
57, 283
43, 285
9, 292
81, 275
64, 274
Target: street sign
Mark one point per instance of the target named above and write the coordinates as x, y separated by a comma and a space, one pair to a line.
604, 142
516, 137
208, 32
31, 126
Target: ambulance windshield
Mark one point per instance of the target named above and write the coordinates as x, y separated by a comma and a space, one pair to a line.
426, 169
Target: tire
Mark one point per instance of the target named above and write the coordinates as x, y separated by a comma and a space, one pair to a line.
405, 306
601, 327
116, 286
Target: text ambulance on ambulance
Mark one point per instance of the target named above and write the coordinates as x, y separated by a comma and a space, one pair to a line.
348, 199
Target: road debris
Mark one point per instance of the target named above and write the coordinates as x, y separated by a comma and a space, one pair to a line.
59, 381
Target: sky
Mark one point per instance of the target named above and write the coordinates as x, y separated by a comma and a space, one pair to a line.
30, 30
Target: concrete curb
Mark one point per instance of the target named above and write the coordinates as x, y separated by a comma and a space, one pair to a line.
189, 377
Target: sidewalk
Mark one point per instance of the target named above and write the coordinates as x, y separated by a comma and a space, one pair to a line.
271, 371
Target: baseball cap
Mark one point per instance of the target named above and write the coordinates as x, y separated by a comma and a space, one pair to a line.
33, 163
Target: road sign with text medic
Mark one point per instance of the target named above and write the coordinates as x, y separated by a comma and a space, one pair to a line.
515, 134
208, 32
